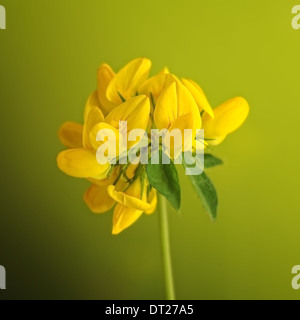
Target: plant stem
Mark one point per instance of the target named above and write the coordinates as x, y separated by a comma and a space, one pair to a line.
165, 245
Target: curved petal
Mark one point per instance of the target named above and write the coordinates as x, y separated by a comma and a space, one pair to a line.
124, 217
70, 134
92, 101
128, 200
106, 131
199, 96
98, 200
165, 70
81, 163
135, 111
165, 111
182, 142
127, 81
229, 116
93, 117
107, 180
175, 101
105, 75
156, 84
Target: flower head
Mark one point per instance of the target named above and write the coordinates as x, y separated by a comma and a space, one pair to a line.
129, 100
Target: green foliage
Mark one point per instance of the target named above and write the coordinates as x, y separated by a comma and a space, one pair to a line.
164, 178
204, 187
211, 161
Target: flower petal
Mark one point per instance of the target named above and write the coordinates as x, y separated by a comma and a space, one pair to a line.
70, 134
98, 200
165, 70
156, 84
229, 116
128, 200
185, 142
105, 75
105, 128
92, 101
109, 179
93, 117
199, 96
81, 163
124, 217
135, 111
127, 81
175, 101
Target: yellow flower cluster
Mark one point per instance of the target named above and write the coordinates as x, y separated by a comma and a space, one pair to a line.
163, 101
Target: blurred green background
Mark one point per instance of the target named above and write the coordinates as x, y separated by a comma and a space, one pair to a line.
53, 247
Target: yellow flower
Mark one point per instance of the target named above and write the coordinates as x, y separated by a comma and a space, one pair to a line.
81, 162
114, 88
105, 107
131, 204
105, 75
228, 117
125, 84
163, 102
128, 197
70, 134
135, 111
97, 198
177, 109
199, 96
154, 86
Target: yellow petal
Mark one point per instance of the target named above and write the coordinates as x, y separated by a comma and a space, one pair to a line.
228, 117
165, 70
156, 84
175, 101
124, 217
135, 111
132, 201
92, 101
70, 134
199, 96
127, 81
130, 207
81, 163
109, 179
185, 143
104, 128
93, 117
98, 200
105, 75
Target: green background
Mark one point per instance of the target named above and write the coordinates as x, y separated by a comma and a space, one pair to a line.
51, 244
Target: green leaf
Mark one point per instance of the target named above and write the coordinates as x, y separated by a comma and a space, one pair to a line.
211, 161
164, 178
206, 192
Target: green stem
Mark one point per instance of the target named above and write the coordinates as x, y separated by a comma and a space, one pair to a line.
165, 244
